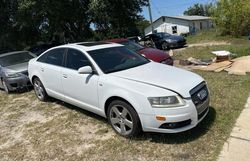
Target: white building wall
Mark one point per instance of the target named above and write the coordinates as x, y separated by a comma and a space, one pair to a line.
183, 26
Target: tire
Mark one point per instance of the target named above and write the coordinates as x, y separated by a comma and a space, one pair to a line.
164, 46
124, 119
5, 87
40, 91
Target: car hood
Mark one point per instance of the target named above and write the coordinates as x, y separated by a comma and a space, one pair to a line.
171, 78
17, 67
154, 54
174, 37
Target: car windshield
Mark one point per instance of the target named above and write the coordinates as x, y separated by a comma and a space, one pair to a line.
117, 59
14, 59
162, 35
132, 45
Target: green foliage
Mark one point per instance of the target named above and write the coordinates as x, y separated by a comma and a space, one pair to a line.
116, 18
232, 17
200, 10
27, 22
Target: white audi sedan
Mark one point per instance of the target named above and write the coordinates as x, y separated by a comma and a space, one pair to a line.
132, 92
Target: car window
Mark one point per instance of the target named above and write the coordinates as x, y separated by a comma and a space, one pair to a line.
15, 58
132, 45
54, 57
76, 59
117, 59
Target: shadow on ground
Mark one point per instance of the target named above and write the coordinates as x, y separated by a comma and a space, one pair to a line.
178, 138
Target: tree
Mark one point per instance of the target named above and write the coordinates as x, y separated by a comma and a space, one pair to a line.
116, 18
232, 17
26, 22
200, 10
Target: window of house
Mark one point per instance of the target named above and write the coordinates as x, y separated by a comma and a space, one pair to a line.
201, 26
174, 29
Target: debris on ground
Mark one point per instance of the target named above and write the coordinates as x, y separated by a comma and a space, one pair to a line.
240, 66
221, 55
222, 62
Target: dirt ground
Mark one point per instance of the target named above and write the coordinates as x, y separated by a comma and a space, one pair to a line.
32, 130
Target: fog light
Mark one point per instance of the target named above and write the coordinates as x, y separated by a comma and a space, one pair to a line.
160, 118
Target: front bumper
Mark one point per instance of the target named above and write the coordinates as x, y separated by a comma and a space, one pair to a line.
178, 119
18, 83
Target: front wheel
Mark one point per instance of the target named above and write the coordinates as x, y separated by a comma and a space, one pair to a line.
40, 90
5, 87
124, 119
164, 46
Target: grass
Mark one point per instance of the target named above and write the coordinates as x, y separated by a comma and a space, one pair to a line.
213, 35
55, 130
32, 130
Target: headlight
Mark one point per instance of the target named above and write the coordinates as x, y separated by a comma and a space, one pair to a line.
13, 75
166, 102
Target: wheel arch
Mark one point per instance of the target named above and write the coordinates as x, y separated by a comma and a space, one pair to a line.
113, 98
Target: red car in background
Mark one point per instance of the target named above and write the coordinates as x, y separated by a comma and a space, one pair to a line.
150, 53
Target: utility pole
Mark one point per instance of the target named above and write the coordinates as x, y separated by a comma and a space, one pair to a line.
150, 16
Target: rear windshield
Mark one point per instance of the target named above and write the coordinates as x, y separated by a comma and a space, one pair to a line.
14, 59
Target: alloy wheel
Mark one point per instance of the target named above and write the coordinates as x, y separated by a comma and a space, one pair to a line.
6, 89
39, 89
121, 119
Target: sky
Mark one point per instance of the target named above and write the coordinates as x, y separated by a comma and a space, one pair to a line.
170, 7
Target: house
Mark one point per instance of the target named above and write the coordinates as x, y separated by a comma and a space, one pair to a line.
180, 24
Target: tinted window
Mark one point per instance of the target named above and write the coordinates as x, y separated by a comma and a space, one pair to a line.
117, 59
76, 59
132, 45
16, 58
54, 57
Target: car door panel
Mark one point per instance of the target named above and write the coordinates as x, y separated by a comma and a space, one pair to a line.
50, 72
80, 89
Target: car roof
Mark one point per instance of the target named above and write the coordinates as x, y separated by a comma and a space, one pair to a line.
88, 46
11, 53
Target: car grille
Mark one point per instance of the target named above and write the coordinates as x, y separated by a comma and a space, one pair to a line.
200, 98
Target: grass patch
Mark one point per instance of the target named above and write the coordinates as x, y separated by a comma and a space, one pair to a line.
32, 130
214, 35
69, 132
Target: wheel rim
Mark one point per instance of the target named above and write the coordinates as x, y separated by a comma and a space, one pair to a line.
121, 119
164, 46
39, 89
5, 87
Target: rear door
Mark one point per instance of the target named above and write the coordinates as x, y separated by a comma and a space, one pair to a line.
79, 89
50, 71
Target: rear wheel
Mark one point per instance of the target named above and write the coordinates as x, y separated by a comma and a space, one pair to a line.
124, 119
5, 87
40, 90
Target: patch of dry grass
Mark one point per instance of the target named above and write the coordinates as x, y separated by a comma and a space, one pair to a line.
32, 130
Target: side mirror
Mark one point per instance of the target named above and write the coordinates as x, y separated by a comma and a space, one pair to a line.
85, 70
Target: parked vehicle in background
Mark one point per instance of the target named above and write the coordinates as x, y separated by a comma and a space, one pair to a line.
163, 41
14, 70
150, 53
134, 38
132, 92
39, 49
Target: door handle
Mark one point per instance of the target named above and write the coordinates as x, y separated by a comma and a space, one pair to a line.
65, 76
42, 69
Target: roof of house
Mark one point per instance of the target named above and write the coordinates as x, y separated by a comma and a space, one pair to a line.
189, 18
